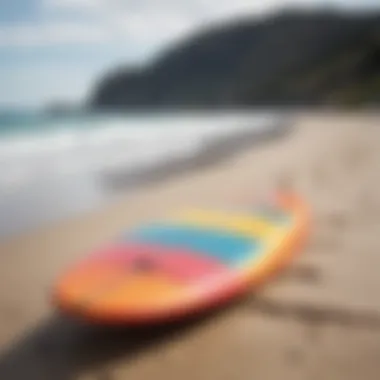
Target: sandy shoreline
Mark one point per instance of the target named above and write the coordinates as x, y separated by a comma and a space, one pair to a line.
321, 319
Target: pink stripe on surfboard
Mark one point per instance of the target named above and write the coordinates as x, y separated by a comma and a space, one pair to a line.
182, 265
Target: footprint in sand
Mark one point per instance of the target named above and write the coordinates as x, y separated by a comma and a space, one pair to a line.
319, 175
354, 156
323, 244
337, 220
304, 273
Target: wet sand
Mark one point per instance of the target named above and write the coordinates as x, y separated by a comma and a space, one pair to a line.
321, 319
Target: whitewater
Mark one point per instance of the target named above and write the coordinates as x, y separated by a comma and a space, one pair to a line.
51, 170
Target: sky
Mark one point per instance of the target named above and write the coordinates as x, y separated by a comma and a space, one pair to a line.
53, 50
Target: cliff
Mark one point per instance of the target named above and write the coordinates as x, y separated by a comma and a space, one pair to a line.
290, 58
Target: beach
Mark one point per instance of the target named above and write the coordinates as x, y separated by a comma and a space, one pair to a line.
320, 319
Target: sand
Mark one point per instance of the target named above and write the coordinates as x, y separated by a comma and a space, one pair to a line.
321, 319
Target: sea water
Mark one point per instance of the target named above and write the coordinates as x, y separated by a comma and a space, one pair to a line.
50, 165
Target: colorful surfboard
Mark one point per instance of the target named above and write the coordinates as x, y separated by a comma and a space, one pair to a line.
187, 263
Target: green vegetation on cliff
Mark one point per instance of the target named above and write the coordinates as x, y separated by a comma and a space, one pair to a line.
290, 58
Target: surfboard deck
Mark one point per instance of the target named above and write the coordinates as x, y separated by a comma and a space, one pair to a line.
184, 264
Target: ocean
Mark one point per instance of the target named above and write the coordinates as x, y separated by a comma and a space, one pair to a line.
53, 167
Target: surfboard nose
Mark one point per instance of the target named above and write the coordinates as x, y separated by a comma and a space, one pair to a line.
86, 279
131, 276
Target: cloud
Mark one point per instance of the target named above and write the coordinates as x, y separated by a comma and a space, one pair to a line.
200, 7
74, 4
99, 22
24, 35
149, 22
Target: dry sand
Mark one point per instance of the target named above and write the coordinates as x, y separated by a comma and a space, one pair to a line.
320, 320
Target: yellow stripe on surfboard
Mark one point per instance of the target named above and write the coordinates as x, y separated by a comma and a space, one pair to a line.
242, 225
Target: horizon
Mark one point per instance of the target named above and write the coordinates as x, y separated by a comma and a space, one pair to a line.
56, 50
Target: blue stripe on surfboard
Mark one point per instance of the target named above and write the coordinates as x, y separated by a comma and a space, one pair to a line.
228, 248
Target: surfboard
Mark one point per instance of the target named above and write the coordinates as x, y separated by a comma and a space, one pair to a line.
186, 263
